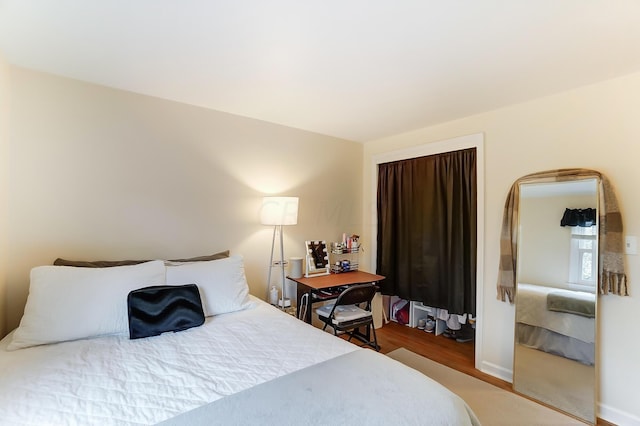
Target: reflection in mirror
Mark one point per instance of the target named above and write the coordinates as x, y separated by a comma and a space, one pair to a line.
555, 333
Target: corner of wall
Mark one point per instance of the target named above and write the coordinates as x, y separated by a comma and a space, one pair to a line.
4, 165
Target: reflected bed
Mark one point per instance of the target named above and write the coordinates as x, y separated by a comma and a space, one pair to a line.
562, 333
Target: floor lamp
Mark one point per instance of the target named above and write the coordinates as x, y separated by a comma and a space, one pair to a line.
278, 212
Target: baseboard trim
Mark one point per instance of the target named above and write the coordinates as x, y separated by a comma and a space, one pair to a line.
616, 416
496, 371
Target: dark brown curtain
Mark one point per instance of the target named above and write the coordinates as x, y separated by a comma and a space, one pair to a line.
427, 230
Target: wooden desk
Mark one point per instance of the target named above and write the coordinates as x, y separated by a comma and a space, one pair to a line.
327, 287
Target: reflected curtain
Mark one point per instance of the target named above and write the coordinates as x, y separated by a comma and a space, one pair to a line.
427, 230
584, 218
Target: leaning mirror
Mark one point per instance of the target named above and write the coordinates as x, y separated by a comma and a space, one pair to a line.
317, 258
556, 294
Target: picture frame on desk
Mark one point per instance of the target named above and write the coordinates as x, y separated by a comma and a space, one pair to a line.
317, 258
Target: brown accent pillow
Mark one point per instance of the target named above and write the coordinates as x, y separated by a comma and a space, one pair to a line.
216, 256
96, 263
111, 263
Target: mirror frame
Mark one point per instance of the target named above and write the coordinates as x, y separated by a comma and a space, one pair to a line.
317, 258
592, 418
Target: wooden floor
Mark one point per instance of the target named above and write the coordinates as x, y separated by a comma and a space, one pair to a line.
446, 351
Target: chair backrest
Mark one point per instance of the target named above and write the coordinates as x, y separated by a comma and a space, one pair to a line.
361, 293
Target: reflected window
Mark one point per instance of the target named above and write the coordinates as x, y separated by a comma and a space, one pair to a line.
584, 252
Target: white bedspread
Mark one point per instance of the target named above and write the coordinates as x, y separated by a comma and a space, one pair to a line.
359, 388
114, 380
532, 310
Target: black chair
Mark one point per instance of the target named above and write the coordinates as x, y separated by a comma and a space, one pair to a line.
351, 311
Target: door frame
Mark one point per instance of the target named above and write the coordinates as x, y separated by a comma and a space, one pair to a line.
432, 148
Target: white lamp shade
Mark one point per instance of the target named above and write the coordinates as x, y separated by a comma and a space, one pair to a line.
279, 211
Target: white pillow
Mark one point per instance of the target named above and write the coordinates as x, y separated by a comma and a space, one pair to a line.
69, 303
222, 283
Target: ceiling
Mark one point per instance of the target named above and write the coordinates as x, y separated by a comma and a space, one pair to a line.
356, 69
559, 189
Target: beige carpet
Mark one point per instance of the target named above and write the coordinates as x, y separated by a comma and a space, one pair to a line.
492, 405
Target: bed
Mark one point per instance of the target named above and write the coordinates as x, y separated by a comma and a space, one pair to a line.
557, 321
248, 363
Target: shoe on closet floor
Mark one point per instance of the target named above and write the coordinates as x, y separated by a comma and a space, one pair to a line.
430, 325
451, 334
466, 334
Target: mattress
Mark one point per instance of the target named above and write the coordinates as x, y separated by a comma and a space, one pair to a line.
532, 310
115, 380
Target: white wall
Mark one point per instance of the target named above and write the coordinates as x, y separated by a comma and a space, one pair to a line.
594, 127
98, 173
4, 165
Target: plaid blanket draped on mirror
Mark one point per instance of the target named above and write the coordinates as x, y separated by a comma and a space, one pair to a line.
611, 274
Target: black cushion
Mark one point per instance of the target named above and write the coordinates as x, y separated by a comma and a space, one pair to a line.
158, 309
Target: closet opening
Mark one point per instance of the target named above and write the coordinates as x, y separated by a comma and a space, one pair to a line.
429, 202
